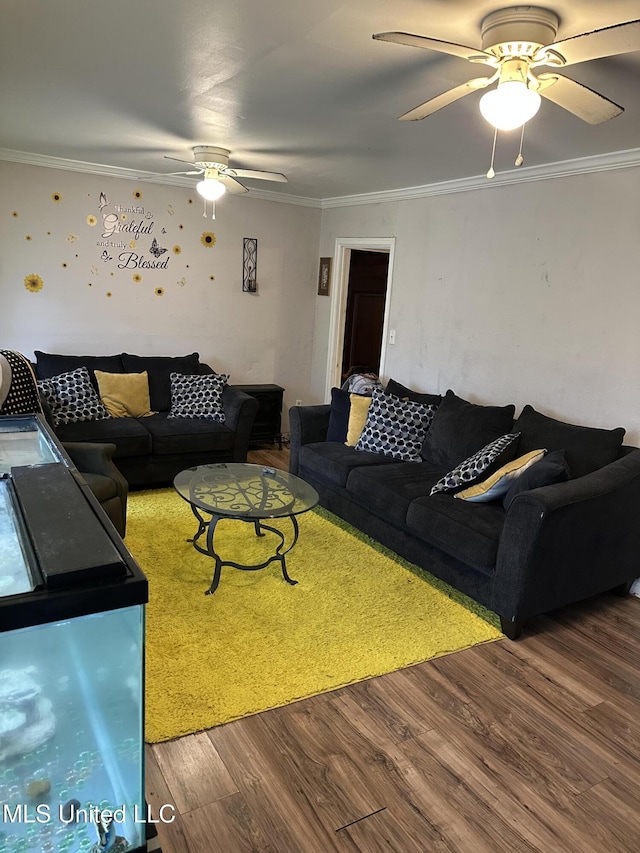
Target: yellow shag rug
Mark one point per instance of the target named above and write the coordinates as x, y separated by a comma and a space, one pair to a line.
257, 643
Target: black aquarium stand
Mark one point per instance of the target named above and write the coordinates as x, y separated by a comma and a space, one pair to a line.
268, 422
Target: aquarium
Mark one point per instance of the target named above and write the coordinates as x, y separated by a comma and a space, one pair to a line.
15, 562
71, 736
25, 440
71, 668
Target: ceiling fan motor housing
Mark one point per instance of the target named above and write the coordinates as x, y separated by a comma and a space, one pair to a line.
518, 31
210, 157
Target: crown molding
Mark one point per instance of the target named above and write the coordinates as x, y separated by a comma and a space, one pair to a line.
65, 165
562, 169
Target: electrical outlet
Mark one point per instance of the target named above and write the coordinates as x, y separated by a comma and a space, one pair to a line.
298, 402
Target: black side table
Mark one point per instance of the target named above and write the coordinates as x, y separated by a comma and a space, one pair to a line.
267, 425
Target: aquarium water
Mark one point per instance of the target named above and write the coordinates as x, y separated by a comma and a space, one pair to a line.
71, 741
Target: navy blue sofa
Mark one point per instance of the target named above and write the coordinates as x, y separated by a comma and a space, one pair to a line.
553, 546
150, 451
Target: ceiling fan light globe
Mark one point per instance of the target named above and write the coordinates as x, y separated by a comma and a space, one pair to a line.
211, 189
510, 105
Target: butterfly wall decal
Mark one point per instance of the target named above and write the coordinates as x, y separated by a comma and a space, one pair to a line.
103, 200
156, 250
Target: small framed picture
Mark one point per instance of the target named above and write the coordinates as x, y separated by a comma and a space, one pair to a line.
324, 277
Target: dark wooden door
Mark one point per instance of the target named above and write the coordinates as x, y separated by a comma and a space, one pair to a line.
364, 318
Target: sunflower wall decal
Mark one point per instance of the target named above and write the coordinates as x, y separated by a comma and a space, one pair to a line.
208, 239
56, 197
33, 283
91, 220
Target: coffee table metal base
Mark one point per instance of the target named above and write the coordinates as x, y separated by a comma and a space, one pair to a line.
210, 528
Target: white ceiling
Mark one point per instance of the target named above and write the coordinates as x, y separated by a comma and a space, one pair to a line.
298, 87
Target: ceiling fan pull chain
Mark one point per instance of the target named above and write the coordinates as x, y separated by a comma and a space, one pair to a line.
491, 173
204, 212
520, 158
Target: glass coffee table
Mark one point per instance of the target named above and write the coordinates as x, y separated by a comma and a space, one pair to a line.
250, 493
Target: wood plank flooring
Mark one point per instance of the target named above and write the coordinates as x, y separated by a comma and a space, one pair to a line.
531, 745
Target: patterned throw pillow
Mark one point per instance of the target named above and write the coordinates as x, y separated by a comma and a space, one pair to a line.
499, 483
198, 396
395, 427
72, 398
480, 464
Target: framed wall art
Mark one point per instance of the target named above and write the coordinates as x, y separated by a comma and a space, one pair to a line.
324, 277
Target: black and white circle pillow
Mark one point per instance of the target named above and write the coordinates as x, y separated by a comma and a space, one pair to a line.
395, 427
198, 396
480, 464
72, 398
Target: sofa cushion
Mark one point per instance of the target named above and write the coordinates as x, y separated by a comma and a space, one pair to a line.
467, 531
387, 490
159, 368
395, 427
187, 435
551, 469
333, 462
586, 448
128, 435
480, 464
198, 397
72, 398
498, 484
50, 364
399, 390
339, 415
461, 428
124, 395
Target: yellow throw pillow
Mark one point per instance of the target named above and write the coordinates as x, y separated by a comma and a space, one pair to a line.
357, 417
498, 483
125, 395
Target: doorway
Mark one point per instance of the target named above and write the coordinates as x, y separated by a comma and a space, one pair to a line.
366, 310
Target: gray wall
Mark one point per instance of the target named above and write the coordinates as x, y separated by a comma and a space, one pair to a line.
528, 293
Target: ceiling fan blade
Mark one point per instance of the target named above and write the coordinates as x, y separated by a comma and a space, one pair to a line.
609, 41
178, 160
577, 99
258, 174
232, 186
446, 98
473, 54
171, 174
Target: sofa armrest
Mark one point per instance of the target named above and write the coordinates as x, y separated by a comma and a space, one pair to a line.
91, 457
569, 541
307, 424
239, 414
94, 458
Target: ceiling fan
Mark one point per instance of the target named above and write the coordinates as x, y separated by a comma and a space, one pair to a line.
516, 42
218, 177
